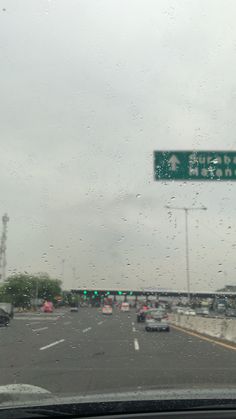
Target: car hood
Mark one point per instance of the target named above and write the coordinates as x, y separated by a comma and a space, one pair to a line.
21, 393
25, 401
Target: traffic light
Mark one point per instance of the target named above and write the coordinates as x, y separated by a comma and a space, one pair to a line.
108, 292
120, 293
131, 293
95, 292
85, 292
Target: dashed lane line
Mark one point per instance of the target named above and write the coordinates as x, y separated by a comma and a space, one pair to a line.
51, 344
99, 323
39, 319
39, 330
136, 345
86, 330
133, 329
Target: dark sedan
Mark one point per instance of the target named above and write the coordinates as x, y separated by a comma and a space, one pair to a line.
230, 312
141, 316
4, 318
157, 325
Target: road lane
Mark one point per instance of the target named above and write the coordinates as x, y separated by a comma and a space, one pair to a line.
114, 353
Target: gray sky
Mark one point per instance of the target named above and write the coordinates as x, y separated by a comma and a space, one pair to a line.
88, 90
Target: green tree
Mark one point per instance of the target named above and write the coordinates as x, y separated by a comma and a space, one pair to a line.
48, 288
20, 289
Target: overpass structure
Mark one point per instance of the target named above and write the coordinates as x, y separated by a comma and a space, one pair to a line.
151, 292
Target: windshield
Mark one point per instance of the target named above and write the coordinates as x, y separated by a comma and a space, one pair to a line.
118, 169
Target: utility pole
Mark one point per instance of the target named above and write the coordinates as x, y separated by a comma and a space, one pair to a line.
36, 294
74, 276
186, 211
3, 248
62, 269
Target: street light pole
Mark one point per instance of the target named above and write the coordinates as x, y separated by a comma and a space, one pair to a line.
186, 211
187, 252
62, 269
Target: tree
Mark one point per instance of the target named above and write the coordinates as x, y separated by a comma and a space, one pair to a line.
20, 289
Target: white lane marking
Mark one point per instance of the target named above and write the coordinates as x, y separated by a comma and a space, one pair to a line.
86, 330
51, 344
133, 328
132, 323
32, 324
136, 345
38, 330
99, 323
66, 323
39, 319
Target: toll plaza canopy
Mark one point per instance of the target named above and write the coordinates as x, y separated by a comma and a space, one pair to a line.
146, 292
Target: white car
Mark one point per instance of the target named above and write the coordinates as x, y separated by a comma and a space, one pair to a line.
180, 310
107, 310
190, 312
125, 307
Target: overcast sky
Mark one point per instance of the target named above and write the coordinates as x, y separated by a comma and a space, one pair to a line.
88, 90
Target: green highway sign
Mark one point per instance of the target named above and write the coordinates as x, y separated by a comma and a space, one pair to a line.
195, 165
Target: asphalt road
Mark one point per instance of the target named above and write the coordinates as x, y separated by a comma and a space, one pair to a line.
85, 352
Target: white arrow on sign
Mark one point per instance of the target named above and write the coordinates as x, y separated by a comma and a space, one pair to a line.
174, 162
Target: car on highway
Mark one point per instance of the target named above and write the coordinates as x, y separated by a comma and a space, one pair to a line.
157, 325
203, 311
156, 313
4, 318
125, 307
47, 307
179, 310
107, 310
8, 308
230, 312
141, 315
190, 311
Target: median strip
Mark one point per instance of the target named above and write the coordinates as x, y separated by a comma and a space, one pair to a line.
39, 330
51, 344
203, 337
86, 330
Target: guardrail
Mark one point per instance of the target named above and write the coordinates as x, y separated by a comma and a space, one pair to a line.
222, 328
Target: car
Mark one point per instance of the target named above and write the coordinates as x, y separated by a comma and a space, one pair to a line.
8, 308
156, 314
4, 318
107, 310
180, 310
141, 315
202, 311
230, 312
157, 325
189, 311
47, 307
125, 307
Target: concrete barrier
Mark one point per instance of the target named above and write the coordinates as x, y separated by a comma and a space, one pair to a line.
218, 328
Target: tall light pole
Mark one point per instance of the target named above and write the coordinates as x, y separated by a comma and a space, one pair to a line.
62, 269
186, 211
